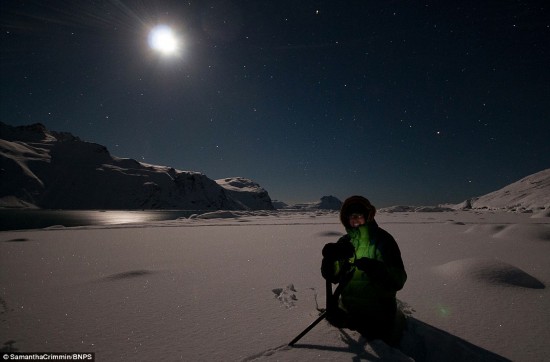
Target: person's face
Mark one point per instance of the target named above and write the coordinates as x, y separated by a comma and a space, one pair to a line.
356, 220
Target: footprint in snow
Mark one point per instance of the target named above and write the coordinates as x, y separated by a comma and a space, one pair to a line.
286, 296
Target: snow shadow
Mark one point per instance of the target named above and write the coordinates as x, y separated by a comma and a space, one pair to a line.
426, 343
537, 232
420, 341
490, 229
9, 347
361, 349
17, 240
541, 214
330, 234
129, 274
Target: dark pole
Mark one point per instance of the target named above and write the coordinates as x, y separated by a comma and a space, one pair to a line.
309, 328
329, 305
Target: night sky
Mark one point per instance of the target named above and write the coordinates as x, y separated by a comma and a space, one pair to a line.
404, 102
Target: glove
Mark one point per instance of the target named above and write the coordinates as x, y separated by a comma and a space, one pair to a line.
374, 268
341, 250
327, 270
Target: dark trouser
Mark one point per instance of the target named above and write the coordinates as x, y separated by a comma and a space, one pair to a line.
384, 324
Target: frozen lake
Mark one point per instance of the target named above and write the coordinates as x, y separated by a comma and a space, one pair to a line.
19, 219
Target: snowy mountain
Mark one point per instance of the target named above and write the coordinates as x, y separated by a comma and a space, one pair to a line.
277, 204
246, 192
59, 171
530, 194
326, 203
407, 208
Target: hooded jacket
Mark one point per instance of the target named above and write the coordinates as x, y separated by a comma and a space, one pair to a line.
373, 291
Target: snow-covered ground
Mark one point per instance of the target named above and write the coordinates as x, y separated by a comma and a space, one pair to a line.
240, 286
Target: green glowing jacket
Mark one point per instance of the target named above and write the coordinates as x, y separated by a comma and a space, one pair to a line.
374, 292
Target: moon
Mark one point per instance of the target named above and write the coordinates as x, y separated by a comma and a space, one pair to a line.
163, 39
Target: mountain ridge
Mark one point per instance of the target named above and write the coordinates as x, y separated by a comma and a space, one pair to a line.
56, 170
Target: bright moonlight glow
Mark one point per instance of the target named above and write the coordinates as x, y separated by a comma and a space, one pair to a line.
163, 40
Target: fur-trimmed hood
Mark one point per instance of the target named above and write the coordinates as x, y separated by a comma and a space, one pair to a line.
356, 205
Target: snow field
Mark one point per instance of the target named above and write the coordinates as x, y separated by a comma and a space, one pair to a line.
241, 287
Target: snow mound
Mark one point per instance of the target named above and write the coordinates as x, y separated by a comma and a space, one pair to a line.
486, 229
490, 271
519, 232
539, 232
542, 214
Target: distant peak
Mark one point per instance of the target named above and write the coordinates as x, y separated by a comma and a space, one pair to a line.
32, 133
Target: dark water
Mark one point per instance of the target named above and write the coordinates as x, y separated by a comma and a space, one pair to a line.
17, 219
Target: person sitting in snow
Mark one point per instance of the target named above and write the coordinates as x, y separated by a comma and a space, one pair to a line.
367, 263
